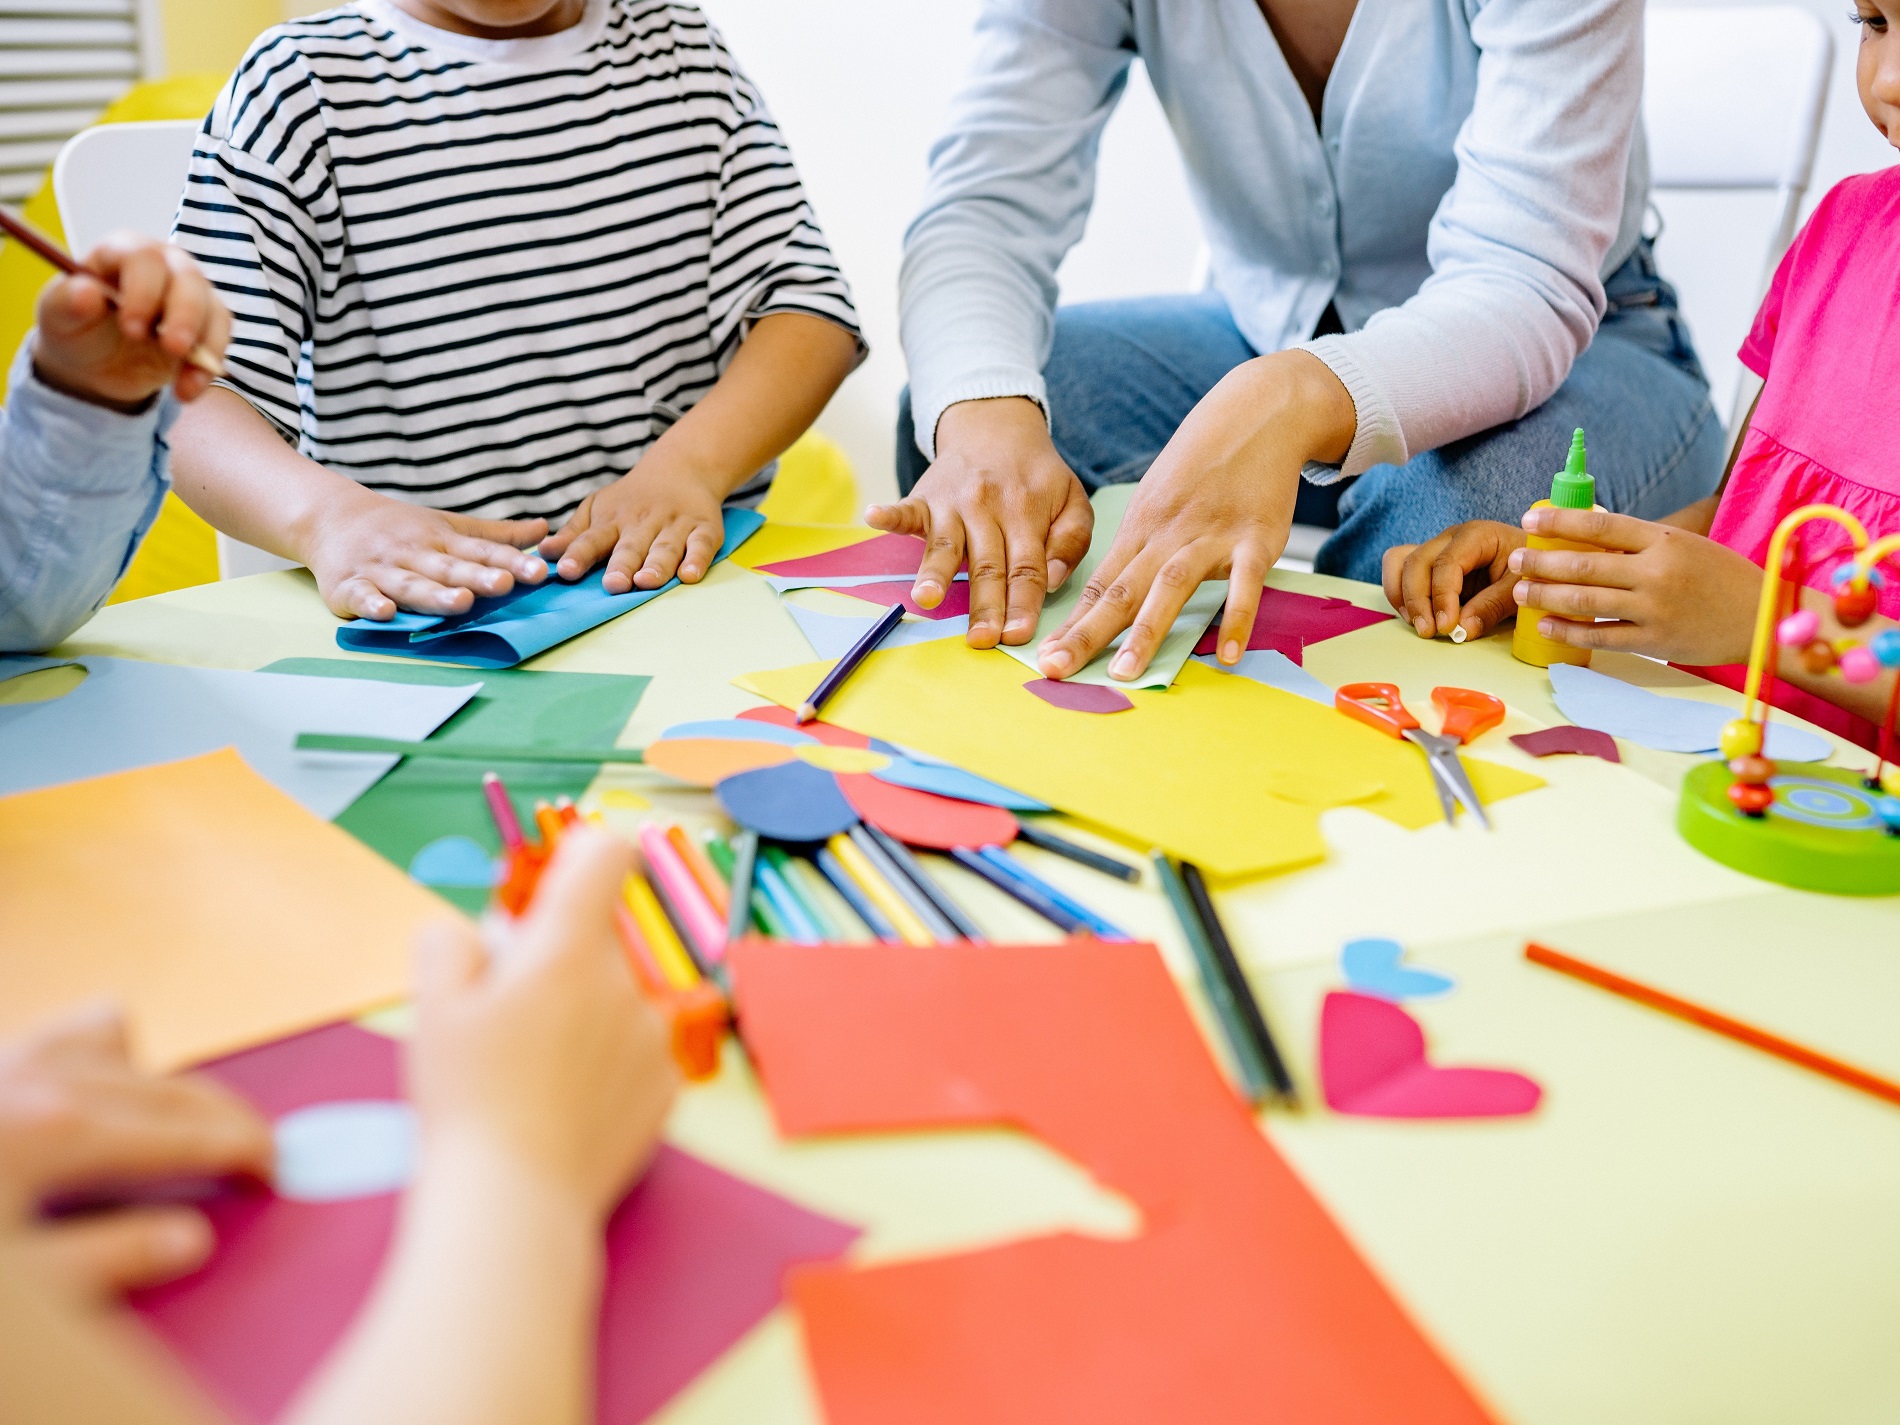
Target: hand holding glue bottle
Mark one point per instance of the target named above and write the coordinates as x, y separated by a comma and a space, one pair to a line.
1572, 488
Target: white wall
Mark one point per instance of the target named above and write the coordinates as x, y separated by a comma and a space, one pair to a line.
861, 86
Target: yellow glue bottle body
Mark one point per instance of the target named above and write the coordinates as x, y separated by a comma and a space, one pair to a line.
1573, 488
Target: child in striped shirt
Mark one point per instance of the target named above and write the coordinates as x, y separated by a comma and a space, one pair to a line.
497, 265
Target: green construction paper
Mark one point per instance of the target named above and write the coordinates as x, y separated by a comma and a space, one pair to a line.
422, 801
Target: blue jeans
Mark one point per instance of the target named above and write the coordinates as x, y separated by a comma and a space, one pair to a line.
1124, 375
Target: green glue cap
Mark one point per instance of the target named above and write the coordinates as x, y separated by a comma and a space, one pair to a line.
1574, 487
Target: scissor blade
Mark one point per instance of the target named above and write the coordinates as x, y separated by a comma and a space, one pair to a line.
1451, 770
1447, 794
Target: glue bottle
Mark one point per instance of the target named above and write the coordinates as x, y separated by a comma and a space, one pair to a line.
1572, 488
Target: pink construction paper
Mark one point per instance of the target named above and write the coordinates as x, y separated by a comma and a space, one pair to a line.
1583, 741
1287, 622
955, 604
1080, 697
695, 1257
1372, 1064
886, 554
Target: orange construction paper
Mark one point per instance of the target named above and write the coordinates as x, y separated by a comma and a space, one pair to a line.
216, 910
1241, 1300
708, 761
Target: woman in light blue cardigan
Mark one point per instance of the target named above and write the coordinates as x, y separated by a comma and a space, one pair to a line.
1423, 215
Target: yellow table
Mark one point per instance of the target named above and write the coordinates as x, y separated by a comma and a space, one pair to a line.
1687, 1231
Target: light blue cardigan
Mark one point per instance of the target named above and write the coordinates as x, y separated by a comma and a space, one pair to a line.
1479, 170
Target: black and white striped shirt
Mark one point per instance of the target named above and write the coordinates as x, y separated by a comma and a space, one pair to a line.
482, 275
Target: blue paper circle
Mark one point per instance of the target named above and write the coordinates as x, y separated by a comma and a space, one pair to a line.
330, 1152
739, 729
453, 861
791, 802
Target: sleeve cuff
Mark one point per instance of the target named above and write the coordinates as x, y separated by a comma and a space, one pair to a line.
89, 445
989, 384
1377, 439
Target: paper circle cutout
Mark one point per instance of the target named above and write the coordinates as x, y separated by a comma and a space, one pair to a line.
331, 1152
1079, 697
843, 759
454, 861
925, 819
823, 731
739, 729
707, 761
792, 802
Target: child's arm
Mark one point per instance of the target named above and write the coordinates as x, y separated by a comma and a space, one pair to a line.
663, 517
370, 553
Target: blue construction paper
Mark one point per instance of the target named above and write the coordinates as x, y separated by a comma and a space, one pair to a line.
454, 861
739, 729
1592, 699
951, 782
1276, 670
834, 635
791, 802
1372, 967
513, 627
331, 1152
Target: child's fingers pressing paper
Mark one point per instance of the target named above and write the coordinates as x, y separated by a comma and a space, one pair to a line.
663, 558
595, 543
525, 566
1243, 603
359, 597
516, 535
562, 540
702, 548
908, 516
988, 557
483, 580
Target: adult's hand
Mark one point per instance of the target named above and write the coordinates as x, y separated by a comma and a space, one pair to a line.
1000, 496
1216, 504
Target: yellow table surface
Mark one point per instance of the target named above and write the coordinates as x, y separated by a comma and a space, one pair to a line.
1686, 1231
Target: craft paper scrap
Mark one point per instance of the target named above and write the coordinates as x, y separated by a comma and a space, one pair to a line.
1079, 697
332, 1152
946, 781
130, 714
1372, 1064
455, 861
777, 543
1111, 504
513, 627
1566, 739
955, 604
921, 819
792, 802
832, 637
1373, 967
695, 1257
1220, 770
1240, 1301
215, 909
886, 554
1592, 699
1273, 669
1287, 622
838, 583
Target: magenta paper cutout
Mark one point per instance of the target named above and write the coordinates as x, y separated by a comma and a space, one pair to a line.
955, 604
695, 1257
1583, 741
1372, 1064
886, 554
1287, 622
1080, 697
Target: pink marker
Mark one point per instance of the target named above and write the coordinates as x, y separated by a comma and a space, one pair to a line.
703, 923
504, 812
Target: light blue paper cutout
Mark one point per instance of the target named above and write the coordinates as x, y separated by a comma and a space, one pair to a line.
834, 635
953, 782
331, 1152
739, 729
1592, 699
1276, 670
503, 631
454, 861
1372, 967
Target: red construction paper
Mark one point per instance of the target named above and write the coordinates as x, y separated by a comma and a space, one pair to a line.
1583, 741
956, 603
823, 731
1079, 697
1288, 622
886, 554
1372, 1064
695, 1257
1240, 1301
924, 818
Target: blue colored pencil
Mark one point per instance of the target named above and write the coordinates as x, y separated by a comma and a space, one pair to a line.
790, 909
1010, 866
860, 903
848, 664
1022, 891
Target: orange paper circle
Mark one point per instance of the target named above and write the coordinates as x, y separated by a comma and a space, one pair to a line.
706, 761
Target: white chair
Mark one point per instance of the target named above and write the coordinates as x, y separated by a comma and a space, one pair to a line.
1733, 103
120, 177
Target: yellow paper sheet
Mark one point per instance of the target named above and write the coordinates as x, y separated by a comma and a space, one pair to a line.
213, 908
776, 542
1217, 769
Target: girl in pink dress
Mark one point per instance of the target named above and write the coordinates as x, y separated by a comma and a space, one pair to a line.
1825, 430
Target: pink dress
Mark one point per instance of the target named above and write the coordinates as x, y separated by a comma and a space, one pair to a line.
1827, 427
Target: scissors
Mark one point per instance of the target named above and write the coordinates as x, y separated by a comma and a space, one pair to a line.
1467, 714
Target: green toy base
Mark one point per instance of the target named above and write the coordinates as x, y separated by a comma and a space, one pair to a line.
1820, 835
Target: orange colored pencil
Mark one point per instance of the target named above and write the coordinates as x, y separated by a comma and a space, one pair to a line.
1714, 1022
710, 881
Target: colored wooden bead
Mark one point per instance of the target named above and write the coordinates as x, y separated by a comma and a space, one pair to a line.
1818, 657
1858, 664
1886, 647
1890, 781
1799, 627
1855, 604
1740, 738
1888, 810
1750, 799
1753, 770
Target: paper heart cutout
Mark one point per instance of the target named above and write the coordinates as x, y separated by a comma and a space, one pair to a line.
1372, 967
453, 861
1372, 1064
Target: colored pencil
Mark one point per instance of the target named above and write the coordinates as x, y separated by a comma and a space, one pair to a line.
880, 892
861, 904
961, 926
547, 821
658, 933
739, 867
791, 911
1010, 866
1251, 1019
1715, 1022
503, 810
1255, 1086
920, 904
1081, 855
705, 927
1022, 891
848, 664
815, 892
670, 910
465, 751
646, 969
709, 879
43, 247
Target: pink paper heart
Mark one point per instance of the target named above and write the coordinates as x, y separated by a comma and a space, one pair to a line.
1372, 1064
1287, 622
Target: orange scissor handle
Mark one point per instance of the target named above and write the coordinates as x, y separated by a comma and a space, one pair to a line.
1377, 705
1468, 713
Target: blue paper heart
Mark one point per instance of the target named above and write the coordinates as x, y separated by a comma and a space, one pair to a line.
1372, 967
453, 861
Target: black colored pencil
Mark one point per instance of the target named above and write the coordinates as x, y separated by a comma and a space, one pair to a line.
1255, 1085
848, 664
1081, 855
1251, 1018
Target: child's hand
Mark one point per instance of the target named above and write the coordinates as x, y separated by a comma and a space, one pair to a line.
121, 351
1675, 595
533, 1046
655, 521
1459, 580
373, 554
